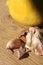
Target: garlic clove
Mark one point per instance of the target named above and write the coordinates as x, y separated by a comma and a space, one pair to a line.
28, 39
23, 33
9, 44
15, 44
37, 43
23, 38
21, 51
39, 50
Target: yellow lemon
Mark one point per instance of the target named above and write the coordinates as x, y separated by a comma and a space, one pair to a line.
23, 11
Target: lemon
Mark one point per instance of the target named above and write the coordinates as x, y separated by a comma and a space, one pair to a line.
24, 12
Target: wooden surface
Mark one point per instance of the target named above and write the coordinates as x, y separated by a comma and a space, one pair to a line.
8, 30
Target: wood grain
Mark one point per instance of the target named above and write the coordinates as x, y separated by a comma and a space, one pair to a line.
8, 30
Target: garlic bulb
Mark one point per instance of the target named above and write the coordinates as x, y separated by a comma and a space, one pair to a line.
33, 40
